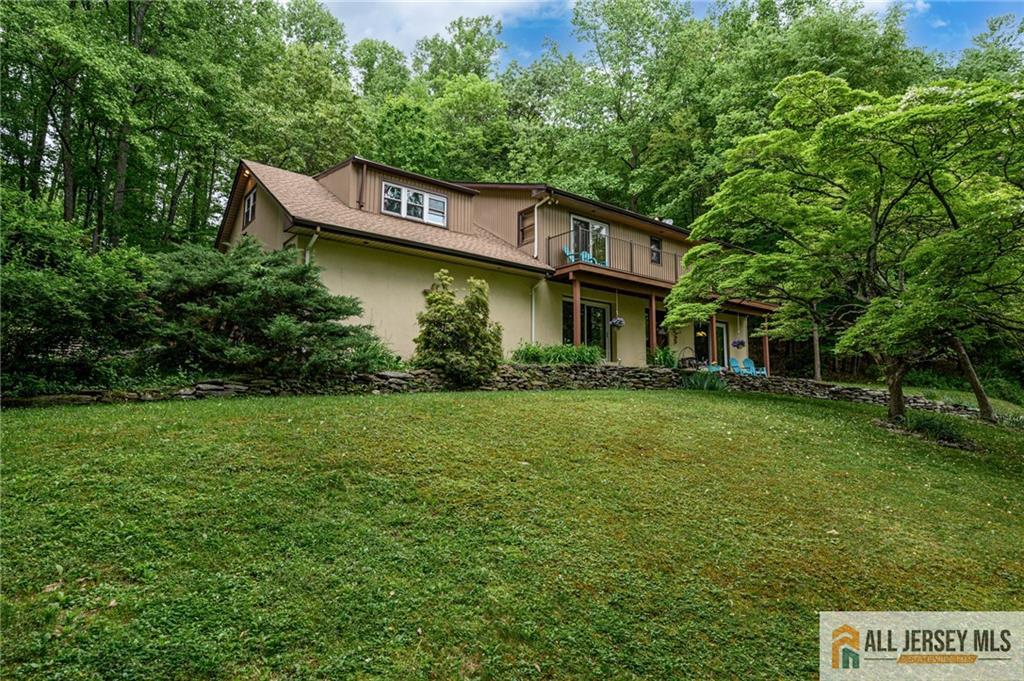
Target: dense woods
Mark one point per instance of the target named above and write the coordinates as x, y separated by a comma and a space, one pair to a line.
127, 118
132, 115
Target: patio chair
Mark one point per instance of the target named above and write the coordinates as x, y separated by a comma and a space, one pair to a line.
587, 258
734, 366
753, 369
714, 368
570, 257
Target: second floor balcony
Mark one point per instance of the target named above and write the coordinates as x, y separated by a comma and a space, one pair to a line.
594, 248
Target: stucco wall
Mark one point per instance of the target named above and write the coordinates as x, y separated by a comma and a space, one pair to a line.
268, 224
391, 285
628, 343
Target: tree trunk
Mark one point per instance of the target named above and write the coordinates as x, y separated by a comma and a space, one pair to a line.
172, 210
894, 373
120, 175
136, 16
817, 352
35, 164
972, 377
67, 162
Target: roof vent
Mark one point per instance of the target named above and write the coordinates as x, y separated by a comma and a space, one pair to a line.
667, 221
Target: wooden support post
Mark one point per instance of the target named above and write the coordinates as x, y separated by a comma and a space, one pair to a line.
652, 325
713, 350
577, 322
767, 357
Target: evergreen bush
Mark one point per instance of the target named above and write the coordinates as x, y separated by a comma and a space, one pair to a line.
456, 335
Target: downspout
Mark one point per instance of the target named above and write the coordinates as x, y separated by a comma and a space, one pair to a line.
309, 247
536, 251
533, 306
536, 223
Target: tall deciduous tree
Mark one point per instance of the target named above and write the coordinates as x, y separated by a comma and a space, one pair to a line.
470, 48
380, 68
855, 200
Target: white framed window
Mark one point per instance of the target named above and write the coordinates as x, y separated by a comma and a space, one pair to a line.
414, 204
249, 208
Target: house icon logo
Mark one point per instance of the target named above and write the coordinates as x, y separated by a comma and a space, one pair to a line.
845, 648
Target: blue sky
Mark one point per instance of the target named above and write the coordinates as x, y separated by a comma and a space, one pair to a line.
933, 24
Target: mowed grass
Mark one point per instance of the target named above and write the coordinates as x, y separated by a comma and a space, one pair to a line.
493, 535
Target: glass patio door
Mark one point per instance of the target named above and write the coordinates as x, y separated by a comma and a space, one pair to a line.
591, 238
723, 343
594, 329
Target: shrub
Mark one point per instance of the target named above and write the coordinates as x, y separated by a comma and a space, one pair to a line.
456, 336
937, 426
252, 311
535, 353
117, 318
703, 380
64, 310
663, 357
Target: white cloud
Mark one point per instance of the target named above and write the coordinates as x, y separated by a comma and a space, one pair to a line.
938, 23
403, 22
912, 6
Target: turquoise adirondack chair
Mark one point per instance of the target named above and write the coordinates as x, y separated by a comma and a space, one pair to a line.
570, 257
714, 368
753, 369
734, 366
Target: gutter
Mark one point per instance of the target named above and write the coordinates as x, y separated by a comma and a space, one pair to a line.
418, 245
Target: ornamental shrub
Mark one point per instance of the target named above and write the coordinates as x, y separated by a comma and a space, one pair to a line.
456, 336
937, 427
703, 380
663, 357
536, 353
252, 311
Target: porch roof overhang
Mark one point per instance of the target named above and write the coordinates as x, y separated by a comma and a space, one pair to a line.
603, 278
606, 279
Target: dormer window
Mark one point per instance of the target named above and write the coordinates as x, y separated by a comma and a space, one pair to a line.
249, 208
414, 204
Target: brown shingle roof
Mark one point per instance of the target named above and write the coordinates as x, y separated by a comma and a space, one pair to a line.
308, 201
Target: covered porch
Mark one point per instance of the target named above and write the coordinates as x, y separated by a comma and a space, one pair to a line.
588, 311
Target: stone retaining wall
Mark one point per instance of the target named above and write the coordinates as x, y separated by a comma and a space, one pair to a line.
802, 387
508, 377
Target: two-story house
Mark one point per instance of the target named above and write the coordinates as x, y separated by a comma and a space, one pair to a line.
560, 267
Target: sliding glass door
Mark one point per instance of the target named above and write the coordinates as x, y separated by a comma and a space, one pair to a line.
591, 238
595, 318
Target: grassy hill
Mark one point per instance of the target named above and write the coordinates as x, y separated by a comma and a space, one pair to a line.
543, 535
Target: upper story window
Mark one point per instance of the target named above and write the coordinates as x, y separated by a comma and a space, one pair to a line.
656, 250
249, 208
414, 204
526, 227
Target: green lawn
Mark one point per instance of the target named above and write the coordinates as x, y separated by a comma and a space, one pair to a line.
495, 535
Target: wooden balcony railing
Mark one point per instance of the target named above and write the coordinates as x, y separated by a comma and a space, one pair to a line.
619, 255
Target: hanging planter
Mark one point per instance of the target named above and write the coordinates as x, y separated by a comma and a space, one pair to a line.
739, 344
617, 322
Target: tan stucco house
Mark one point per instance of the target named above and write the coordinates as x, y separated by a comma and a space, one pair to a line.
560, 266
